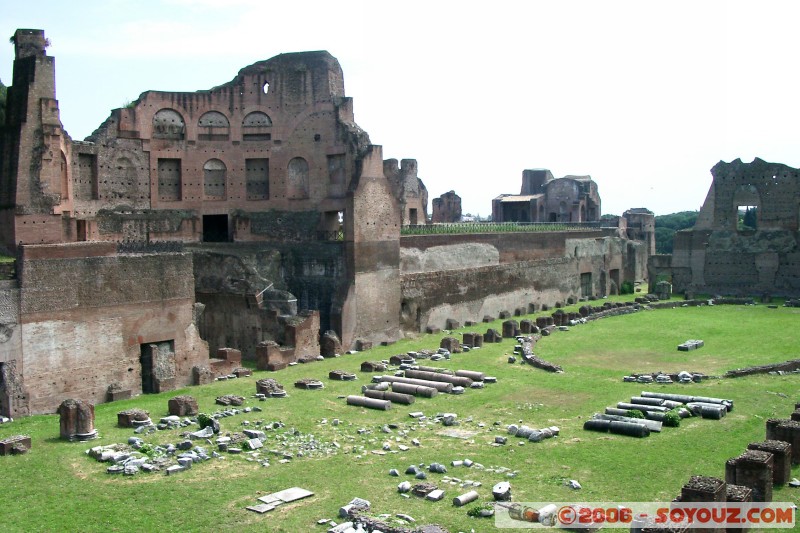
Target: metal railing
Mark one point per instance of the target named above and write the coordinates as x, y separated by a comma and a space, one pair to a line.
332, 235
495, 227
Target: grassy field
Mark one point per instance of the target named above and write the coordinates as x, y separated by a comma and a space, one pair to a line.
56, 487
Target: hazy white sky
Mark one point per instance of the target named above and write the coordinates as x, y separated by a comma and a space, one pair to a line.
644, 96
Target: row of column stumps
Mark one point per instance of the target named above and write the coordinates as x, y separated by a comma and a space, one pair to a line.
750, 476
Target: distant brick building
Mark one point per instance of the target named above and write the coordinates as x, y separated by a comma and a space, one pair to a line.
447, 208
543, 198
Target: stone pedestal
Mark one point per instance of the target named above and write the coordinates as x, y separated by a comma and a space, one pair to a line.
492, 335
510, 329
781, 458
77, 420
706, 490
473, 340
752, 469
787, 431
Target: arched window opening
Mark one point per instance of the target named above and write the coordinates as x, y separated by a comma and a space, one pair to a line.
256, 126
297, 179
168, 124
213, 126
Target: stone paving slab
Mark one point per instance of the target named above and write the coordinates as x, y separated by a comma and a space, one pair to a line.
261, 508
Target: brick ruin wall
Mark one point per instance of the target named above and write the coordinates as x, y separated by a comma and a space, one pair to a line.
245, 288
551, 274
84, 321
719, 257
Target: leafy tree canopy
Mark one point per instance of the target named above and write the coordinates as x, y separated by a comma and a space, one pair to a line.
3, 91
667, 225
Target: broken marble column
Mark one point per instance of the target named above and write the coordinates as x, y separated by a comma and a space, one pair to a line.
77, 420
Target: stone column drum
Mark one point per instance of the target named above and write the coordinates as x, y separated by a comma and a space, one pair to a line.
77, 420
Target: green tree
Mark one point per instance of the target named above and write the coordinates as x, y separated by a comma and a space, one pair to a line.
748, 219
3, 92
667, 225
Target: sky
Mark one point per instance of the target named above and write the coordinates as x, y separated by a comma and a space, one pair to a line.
644, 96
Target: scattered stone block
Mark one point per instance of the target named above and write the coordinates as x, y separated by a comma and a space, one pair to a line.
242, 372
330, 345
184, 405
433, 330
502, 491
488, 318
341, 375
15, 445
452, 323
450, 344
268, 386
276, 365
202, 375
232, 355
423, 489
435, 495
503, 315
132, 418
363, 345
373, 366
492, 335
116, 392
308, 383
689, 345
230, 399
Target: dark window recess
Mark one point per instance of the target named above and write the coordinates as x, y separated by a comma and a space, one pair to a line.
586, 284
215, 228
257, 177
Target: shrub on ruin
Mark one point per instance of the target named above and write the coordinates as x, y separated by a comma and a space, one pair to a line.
626, 287
204, 420
672, 418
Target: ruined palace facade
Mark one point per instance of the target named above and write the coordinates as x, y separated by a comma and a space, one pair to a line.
724, 253
544, 198
253, 212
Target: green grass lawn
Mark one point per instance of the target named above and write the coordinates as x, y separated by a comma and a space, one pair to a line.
56, 487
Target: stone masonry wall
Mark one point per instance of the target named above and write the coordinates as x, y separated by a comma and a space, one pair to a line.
85, 320
469, 293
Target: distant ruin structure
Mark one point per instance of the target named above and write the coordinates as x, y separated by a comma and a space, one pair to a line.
745, 239
543, 198
447, 208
